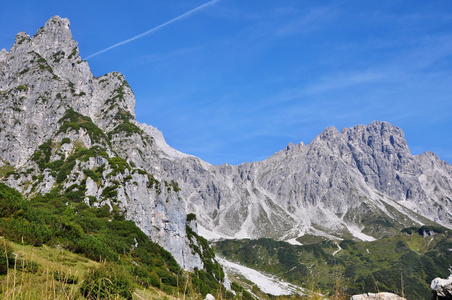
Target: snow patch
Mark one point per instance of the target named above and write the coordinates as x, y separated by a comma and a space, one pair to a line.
267, 284
358, 234
294, 242
209, 235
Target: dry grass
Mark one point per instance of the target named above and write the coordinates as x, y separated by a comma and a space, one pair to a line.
51, 273
41, 273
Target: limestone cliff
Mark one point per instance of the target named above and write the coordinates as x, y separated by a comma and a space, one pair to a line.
359, 183
65, 130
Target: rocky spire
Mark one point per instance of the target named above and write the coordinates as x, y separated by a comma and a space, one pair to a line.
49, 98
42, 77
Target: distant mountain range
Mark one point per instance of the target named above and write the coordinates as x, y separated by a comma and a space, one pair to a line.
360, 183
64, 129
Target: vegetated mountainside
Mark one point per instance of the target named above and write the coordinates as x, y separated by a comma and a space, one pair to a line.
65, 131
111, 257
359, 183
404, 264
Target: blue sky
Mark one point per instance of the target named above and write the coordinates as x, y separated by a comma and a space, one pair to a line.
238, 80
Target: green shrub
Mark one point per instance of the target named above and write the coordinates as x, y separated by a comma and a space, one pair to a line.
94, 249
19, 229
108, 282
110, 191
172, 185
167, 277
10, 201
73, 53
6, 258
191, 217
65, 278
118, 164
74, 120
92, 174
154, 279
42, 156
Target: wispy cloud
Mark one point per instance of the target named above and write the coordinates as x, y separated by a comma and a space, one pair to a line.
158, 57
343, 80
306, 22
184, 15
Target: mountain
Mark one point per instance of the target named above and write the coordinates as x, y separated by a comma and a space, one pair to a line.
360, 183
64, 130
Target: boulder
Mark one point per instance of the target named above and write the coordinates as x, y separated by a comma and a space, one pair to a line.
442, 288
209, 297
379, 296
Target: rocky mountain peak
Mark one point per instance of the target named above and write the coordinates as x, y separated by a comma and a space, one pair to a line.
377, 133
52, 48
328, 133
50, 39
341, 182
51, 103
56, 33
43, 76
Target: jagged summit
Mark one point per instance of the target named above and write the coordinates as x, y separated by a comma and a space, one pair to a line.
64, 129
43, 76
54, 36
361, 182
51, 42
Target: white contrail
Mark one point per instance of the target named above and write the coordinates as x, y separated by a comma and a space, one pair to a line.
188, 13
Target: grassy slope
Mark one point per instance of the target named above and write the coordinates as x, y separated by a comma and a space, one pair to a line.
54, 274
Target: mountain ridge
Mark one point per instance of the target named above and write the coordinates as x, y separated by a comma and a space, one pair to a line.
375, 159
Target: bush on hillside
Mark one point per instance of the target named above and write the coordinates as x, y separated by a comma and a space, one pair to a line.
108, 282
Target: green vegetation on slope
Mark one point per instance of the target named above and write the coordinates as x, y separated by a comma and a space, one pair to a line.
212, 275
129, 259
402, 264
74, 120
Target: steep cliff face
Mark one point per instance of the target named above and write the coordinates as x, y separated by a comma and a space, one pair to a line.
65, 130
362, 182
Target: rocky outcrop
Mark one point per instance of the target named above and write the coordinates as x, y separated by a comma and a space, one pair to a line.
64, 129
442, 288
377, 296
209, 297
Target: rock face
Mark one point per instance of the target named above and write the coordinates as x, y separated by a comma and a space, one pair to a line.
377, 296
62, 128
442, 288
360, 183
